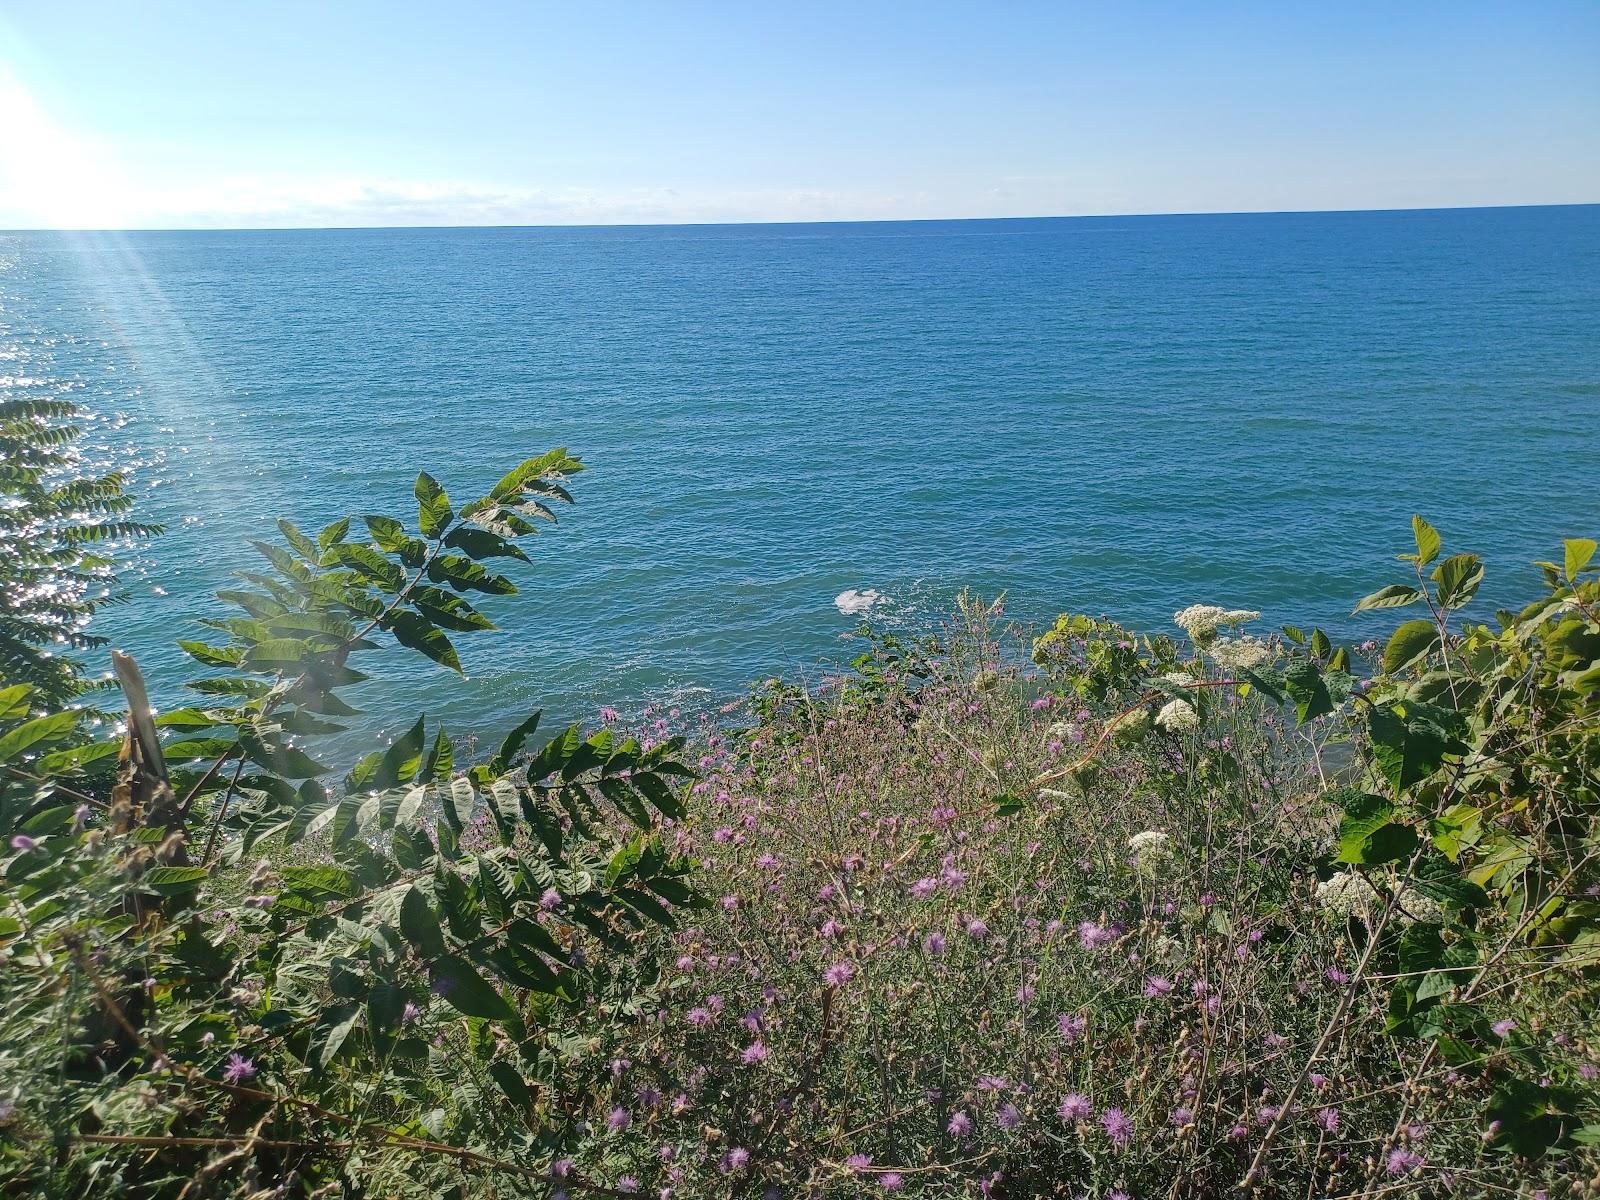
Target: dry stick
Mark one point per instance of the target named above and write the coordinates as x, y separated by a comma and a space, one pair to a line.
222, 811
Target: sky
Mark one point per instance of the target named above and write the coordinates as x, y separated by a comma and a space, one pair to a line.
160, 114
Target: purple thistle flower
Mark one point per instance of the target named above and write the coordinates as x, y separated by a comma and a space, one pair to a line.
1094, 936
755, 1052
410, 1013
960, 1125
1503, 1026
618, 1119
550, 899
24, 843
736, 1159
839, 974
1117, 1126
1182, 1117
1008, 1117
1403, 1161
1328, 1118
891, 1181
239, 1069
1071, 1026
858, 1162
699, 1017
1075, 1106
1157, 986
923, 888
933, 944
977, 929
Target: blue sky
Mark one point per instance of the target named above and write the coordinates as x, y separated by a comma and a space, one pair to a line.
351, 112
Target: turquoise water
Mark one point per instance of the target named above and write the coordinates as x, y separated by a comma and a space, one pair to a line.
1123, 415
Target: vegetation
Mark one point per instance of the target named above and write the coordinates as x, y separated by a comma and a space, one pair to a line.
1104, 914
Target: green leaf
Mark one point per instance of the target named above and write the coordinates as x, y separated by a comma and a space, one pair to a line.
402, 760
433, 506
512, 745
40, 730
416, 632
319, 883
468, 992
367, 563
171, 881
1304, 683
461, 573
1580, 552
1428, 541
14, 701
333, 533
1396, 595
1409, 643
1458, 578
330, 1035
1531, 1118
299, 542
419, 924
480, 543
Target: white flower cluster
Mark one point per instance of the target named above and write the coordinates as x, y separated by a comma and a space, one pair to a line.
1241, 653
1177, 716
1346, 894
1150, 848
1201, 621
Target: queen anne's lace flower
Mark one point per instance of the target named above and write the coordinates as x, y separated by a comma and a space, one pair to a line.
1201, 621
1241, 653
1177, 715
1150, 848
1346, 895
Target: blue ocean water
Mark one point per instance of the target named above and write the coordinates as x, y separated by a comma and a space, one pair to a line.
1120, 415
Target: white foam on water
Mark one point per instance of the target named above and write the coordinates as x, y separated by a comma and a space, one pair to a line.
852, 603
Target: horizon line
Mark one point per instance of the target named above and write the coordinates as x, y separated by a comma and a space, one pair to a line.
1269, 212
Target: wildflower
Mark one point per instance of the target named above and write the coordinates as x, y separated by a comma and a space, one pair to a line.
736, 1159
550, 899
1237, 1132
977, 929
933, 944
1117, 1126
1240, 654
1328, 1118
24, 843
608, 714
627, 1184
1008, 1117
239, 1069
755, 1052
1132, 726
409, 1013
1177, 716
891, 1181
699, 1017
1156, 986
1075, 1106
1043, 702
1503, 1027
1335, 975
729, 903
1071, 1027
858, 1162
618, 1119
1150, 848
960, 1125
1403, 1161
1201, 621
839, 974
1095, 936
1182, 1117
923, 888
1346, 894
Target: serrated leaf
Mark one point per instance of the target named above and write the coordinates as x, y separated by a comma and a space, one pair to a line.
1396, 595
433, 506
171, 881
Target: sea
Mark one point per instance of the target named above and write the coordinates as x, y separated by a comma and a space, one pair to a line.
791, 428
